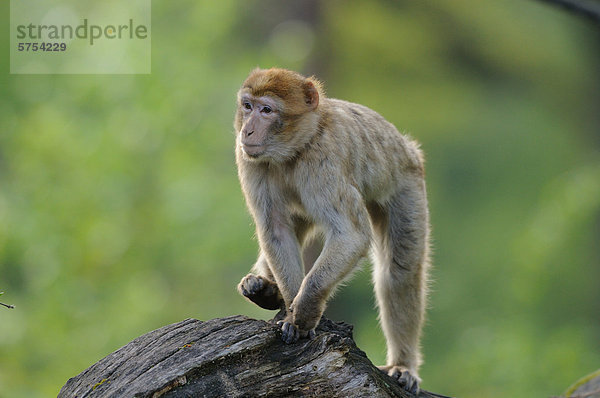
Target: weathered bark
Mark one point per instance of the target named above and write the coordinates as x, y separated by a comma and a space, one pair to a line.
586, 387
235, 357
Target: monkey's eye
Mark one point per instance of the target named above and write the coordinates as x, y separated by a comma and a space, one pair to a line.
267, 109
247, 106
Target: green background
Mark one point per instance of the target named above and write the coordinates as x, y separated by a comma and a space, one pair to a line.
120, 209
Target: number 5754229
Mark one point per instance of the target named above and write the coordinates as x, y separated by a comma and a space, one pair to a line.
42, 46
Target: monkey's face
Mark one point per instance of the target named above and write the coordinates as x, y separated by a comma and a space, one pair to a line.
275, 115
259, 120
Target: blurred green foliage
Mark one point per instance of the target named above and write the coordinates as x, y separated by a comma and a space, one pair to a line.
120, 209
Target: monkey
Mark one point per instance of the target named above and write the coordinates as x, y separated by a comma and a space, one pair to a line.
311, 165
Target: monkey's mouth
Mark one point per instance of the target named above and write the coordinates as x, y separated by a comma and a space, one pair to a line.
253, 151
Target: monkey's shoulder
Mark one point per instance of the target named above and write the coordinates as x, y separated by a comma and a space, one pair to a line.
364, 140
356, 121
347, 109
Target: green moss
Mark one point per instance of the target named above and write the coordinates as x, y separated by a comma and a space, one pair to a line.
581, 382
100, 383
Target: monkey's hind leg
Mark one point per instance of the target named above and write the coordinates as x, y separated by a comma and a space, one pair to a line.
400, 257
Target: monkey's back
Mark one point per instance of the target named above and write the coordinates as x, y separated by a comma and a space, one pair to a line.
372, 150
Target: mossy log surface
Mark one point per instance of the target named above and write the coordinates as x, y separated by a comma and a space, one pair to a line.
236, 357
586, 387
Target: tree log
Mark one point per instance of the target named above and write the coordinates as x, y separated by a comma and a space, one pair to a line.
235, 357
586, 387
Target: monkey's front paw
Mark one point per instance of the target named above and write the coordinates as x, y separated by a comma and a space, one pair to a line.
261, 292
290, 333
306, 314
403, 376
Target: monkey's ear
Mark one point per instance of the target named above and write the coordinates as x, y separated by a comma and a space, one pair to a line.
311, 95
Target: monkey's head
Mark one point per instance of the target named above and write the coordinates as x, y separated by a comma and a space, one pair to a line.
276, 114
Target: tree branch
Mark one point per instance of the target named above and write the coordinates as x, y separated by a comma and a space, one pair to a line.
584, 8
236, 357
6, 305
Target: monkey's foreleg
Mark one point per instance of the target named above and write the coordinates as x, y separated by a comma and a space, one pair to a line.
404, 376
261, 291
259, 287
338, 258
281, 250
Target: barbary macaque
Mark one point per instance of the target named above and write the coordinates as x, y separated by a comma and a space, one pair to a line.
310, 165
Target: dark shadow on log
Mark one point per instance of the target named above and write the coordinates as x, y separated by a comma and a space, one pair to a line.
235, 357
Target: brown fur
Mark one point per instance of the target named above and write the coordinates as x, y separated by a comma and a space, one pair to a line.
289, 86
319, 165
